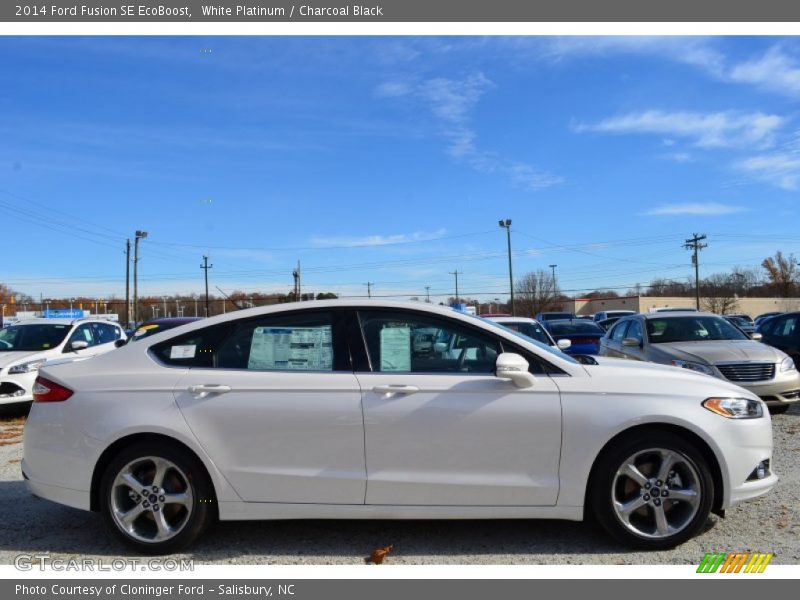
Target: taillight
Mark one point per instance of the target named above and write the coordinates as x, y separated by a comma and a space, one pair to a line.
45, 390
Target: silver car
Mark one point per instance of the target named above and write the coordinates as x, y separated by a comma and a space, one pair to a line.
708, 344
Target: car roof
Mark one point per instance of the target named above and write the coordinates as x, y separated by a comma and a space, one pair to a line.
674, 314
43, 321
171, 320
510, 319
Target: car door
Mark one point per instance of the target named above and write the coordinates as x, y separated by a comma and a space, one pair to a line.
275, 403
82, 333
782, 333
105, 334
442, 430
633, 332
611, 343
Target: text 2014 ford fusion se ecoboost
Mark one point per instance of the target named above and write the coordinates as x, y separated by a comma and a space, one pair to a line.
331, 410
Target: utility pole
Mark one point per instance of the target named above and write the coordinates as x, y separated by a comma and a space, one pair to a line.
553, 267
428, 294
695, 245
506, 224
140, 235
127, 282
296, 275
369, 285
205, 266
456, 273
195, 307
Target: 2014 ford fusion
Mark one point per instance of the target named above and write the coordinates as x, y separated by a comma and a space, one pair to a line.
329, 410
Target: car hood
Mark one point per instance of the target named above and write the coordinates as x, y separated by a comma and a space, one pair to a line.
648, 377
12, 358
721, 351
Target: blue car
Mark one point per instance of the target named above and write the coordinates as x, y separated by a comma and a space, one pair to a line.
584, 335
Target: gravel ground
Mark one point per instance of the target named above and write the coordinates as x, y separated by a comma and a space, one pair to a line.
769, 524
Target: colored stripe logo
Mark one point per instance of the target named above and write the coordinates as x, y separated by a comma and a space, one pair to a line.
741, 562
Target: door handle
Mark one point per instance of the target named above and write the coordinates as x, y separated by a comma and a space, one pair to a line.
205, 389
391, 390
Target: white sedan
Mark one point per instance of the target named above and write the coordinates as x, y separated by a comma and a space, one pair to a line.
324, 410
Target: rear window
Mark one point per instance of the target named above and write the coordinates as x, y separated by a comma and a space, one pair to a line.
576, 327
532, 330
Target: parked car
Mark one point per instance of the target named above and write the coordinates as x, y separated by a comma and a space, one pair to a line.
321, 410
668, 309
606, 323
554, 316
742, 316
28, 345
610, 314
154, 326
708, 344
584, 336
742, 323
531, 328
782, 331
760, 318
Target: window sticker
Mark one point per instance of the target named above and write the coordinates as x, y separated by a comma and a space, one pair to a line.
395, 349
292, 348
187, 351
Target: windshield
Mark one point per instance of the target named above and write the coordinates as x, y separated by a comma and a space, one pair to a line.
530, 340
532, 330
575, 327
740, 321
691, 329
28, 338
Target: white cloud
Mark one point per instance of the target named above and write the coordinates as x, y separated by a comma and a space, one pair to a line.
377, 240
780, 169
678, 157
694, 208
720, 129
774, 70
452, 102
392, 89
696, 51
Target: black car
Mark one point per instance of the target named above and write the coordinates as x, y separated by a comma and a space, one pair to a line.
783, 332
155, 326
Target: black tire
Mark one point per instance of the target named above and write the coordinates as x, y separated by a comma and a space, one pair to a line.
603, 488
778, 409
194, 519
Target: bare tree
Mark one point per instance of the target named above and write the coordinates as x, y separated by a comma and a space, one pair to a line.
536, 292
719, 294
782, 273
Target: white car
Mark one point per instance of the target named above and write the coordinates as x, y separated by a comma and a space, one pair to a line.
27, 345
322, 410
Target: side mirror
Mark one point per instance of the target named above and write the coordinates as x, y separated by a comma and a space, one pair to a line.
756, 337
515, 368
120, 343
79, 345
563, 344
630, 342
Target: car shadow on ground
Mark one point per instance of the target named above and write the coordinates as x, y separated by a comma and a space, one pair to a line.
32, 525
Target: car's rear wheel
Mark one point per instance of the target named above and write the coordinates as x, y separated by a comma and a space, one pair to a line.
156, 497
654, 492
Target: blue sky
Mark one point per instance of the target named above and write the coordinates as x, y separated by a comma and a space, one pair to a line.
391, 159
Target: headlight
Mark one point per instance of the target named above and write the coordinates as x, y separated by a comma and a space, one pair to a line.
26, 367
735, 408
692, 366
788, 364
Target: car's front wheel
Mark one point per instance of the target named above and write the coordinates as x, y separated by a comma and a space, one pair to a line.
654, 492
156, 497
778, 409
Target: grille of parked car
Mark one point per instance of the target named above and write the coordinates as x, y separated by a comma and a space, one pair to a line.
747, 371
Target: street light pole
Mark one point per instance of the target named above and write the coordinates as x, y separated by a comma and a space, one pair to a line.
506, 224
140, 235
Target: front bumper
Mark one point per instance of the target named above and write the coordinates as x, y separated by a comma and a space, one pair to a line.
784, 388
17, 388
